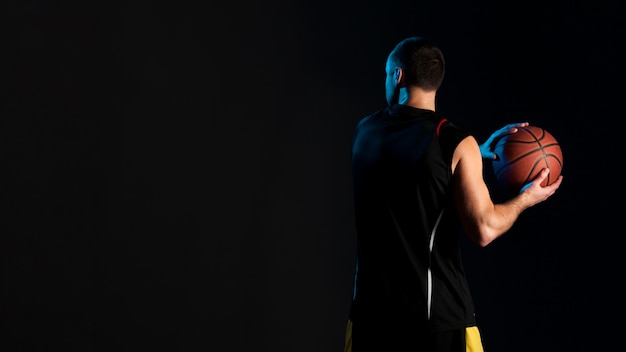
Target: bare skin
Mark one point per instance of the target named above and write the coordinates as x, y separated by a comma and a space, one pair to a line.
482, 219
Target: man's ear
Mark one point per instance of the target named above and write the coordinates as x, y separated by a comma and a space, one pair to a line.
398, 76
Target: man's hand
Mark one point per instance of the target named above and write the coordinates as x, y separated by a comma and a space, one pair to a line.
535, 193
486, 149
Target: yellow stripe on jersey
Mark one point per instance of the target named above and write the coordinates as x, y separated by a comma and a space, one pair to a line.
348, 345
473, 343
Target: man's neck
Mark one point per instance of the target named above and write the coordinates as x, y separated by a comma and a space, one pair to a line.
418, 98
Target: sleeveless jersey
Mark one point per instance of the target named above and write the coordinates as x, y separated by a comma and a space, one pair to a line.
409, 270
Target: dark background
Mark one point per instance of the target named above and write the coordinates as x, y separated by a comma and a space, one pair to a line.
177, 176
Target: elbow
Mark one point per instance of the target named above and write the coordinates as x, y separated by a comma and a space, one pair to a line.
482, 237
481, 230
484, 241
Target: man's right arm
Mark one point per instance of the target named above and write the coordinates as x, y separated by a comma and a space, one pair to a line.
482, 219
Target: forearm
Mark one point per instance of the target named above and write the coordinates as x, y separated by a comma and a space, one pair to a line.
497, 219
502, 218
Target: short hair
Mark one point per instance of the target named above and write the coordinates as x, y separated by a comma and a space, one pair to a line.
422, 62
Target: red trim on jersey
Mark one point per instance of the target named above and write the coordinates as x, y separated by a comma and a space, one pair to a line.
439, 125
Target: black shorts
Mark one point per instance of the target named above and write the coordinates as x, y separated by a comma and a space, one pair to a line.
462, 340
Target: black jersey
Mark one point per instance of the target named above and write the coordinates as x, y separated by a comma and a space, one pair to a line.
409, 269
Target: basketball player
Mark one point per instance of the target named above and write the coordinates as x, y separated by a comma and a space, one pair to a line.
418, 183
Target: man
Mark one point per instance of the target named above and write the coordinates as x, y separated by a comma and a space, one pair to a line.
418, 183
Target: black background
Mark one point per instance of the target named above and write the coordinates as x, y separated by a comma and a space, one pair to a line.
176, 176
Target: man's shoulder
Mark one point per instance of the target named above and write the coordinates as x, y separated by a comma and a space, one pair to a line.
448, 127
376, 115
450, 135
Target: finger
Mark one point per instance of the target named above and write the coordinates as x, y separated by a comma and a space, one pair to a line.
514, 127
542, 175
557, 183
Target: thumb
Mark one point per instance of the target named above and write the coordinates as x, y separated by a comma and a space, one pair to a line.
489, 155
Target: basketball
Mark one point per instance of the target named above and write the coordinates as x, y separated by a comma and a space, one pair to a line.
522, 156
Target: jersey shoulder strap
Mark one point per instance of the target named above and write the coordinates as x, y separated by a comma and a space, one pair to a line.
449, 136
441, 123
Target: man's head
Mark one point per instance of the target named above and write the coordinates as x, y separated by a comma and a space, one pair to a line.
416, 62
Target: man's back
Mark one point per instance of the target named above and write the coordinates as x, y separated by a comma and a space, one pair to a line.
402, 179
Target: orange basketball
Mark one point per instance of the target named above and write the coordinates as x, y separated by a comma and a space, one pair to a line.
522, 155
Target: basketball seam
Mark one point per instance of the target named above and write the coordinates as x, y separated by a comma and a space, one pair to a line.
545, 157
